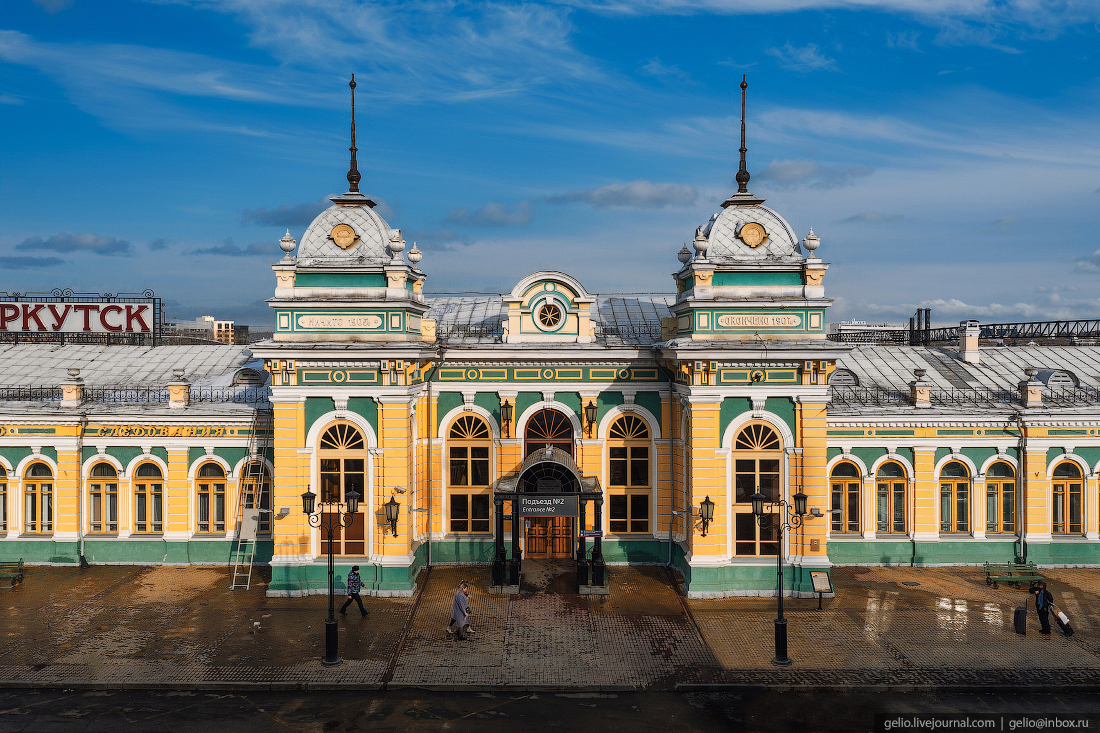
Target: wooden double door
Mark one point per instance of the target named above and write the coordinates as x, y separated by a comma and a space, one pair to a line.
549, 537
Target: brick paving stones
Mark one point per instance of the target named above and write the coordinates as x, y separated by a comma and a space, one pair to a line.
900, 627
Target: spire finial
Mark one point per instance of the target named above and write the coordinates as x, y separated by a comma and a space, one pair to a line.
353, 172
743, 171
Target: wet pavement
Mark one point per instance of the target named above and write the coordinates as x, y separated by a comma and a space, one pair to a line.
896, 628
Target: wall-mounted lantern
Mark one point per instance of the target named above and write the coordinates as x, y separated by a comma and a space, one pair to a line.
506, 416
393, 511
706, 513
589, 417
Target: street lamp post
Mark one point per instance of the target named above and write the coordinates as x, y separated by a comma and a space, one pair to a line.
335, 519
790, 518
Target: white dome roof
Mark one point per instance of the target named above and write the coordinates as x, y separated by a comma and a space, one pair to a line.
373, 231
781, 245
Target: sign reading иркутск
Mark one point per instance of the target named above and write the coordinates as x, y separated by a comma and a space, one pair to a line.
537, 505
99, 317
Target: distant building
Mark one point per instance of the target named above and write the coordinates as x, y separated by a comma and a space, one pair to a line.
208, 328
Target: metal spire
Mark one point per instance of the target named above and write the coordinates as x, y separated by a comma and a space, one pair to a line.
742, 197
353, 197
353, 172
742, 172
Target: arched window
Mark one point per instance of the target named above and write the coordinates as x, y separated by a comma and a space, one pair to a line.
1067, 499
843, 378
757, 462
103, 498
548, 427
890, 498
629, 488
148, 499
3, 499
342, 455
38, 499
954, 498
845, 494
469, 442
255, 492
1000, 498
210, 498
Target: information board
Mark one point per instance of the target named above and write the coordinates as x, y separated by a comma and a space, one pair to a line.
821, 581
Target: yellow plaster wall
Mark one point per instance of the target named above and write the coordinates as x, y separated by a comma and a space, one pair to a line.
292, 532
1036, 493
177, 494
810, 423
393, 470
925, 490
708, 477
65, 502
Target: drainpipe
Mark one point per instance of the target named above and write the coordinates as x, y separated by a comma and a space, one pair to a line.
1021, 487
671, 463
431, 427
80, 484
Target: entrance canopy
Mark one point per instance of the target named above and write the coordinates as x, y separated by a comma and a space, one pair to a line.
548, 470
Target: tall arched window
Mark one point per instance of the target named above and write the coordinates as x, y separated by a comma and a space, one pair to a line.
1067, 493
343, 466
548, 427
1000, 498
757, 461
3, 499
469, 442
629, 487
845, 495
148, 498
954, 498
890, 498
103, 498
38, 499
210, 498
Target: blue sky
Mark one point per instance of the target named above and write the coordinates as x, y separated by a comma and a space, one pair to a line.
945, 151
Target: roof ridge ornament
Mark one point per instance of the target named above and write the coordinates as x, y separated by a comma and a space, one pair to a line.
742, 197
353, 197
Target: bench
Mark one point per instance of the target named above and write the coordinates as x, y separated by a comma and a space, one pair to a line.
12, 571
1011, 572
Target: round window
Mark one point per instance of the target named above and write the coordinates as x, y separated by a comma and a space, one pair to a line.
549, 316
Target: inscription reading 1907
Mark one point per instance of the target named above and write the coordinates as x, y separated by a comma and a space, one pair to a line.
730, 320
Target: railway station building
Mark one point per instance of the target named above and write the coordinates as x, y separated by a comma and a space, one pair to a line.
641, 425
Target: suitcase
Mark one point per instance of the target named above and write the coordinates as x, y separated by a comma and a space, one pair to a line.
1019, 619
1063, 625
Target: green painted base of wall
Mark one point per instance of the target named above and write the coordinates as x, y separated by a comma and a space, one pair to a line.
891, 552
1064, 553
634, 552
305, 580
129, 552
748, 580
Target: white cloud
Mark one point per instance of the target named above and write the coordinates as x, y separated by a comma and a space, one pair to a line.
637, 194
1090, 263
655, 67
805, 58
787, 174
493, 214
873, 217
93, 243
903, 39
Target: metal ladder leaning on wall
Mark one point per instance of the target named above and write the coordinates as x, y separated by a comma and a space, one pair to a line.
250, 499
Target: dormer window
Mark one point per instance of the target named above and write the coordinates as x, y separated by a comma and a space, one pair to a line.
549, 316
1057, 378
843, 378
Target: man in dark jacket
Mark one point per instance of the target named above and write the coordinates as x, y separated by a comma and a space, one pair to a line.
1043, 602
460, 611
355, 584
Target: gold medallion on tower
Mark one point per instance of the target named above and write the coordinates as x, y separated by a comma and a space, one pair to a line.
344, 236
753, 234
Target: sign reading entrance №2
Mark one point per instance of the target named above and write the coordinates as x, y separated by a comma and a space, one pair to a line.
549, 506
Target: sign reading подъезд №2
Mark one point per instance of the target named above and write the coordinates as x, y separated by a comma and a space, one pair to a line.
549, 506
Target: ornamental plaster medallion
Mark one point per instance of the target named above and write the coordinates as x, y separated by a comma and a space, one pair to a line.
753, 234
344, 236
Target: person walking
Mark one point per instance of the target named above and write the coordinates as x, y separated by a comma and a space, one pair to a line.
1043, 603
460, 612
355, 584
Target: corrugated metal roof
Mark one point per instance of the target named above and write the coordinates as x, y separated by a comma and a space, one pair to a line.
999, 368
47, 365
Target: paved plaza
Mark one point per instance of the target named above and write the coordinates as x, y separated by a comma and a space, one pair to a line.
181, 627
